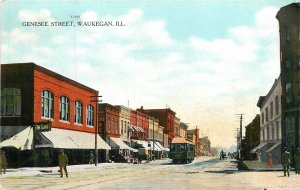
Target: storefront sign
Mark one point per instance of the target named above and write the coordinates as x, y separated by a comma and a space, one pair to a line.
42, 126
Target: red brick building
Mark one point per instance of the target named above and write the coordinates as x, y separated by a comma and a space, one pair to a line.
109, 116
140, 125
32, 94
166, 119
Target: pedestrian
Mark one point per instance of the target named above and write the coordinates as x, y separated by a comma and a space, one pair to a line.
2, 162
91, 160
286, 161
270, 162
297, 161
63, 162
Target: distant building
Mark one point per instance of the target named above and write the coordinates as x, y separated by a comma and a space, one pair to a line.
183, 128
166, 119
177, 126
270, 124
289, 31
252, 138
193, 135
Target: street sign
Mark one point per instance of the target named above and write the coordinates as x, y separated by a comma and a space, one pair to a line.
42, 126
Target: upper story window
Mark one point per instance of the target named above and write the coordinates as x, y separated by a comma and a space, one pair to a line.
287, 35
47, 104
90, 115
262, 118
108, 125
64, 108
272, 109
288, 64
288, 93
277, 105
298, 90
11, 102
299, 34
267, 114
78, 112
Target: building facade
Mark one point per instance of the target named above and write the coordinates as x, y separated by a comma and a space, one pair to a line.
177, 126
270, 124
289, 32
183, 128
31, 95
124, 123
166, 118
252, 138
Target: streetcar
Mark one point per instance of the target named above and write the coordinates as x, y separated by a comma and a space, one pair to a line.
182, 151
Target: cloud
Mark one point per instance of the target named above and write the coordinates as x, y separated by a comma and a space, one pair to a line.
31, 16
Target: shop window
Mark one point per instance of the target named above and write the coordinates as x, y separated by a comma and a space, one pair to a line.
64, 108
11, 102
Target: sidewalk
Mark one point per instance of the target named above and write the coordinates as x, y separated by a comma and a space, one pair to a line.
255, 165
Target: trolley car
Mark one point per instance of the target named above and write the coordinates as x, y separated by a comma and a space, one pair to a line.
182, 151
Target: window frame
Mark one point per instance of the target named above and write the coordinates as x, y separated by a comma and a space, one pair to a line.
64, 108
11, 102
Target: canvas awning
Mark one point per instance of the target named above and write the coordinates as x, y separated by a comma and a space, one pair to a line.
69, 139
141, 129
143, 143
118, 143
273, 147
156, 148
160, 146
261, 145
22, 140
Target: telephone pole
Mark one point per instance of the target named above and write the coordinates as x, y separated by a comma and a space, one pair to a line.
241, 135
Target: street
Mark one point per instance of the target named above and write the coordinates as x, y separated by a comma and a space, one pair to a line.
203, 173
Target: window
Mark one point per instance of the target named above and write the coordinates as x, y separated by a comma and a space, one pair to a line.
11, 102
264, 135
268, 133
271, 107
122, 127
108, 125
288, 64
299, 34
78, 112
267, 114
288, 93
277, 129
298, 90
276, 105
262, 118
47, 104
298, 62
90, 115
287, 35
64, 108
273, 132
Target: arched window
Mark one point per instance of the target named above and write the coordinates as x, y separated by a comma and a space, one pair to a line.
90, 115
78, 112
47, 104
64, 108
11, 102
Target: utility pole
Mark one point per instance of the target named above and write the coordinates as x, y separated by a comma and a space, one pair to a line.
241, 134
96, 126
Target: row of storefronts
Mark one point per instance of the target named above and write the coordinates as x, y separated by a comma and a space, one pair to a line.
43, 112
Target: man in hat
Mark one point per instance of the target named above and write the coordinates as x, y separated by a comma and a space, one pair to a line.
2, 162
286, 161
63, 162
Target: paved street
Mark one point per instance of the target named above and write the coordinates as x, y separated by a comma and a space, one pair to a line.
203, 173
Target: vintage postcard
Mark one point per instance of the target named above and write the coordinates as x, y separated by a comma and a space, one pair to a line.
125, 94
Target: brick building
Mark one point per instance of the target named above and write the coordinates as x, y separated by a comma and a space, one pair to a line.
32, 94
166, 118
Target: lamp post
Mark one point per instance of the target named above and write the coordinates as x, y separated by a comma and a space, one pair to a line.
96, 127
153, 139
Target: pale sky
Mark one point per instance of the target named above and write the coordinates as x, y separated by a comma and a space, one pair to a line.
207, 60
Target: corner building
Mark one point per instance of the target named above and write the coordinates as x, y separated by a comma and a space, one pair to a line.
33, 97
289, 31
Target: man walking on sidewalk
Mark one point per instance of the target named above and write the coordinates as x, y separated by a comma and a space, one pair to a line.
2, 162
286, 161
63, 162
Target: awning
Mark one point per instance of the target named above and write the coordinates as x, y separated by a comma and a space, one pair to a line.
156, 148
141, 129
160, 146
167, 149
143, 143
273, 147
118, 143
22, 140
69, 139
259, 147
134, 128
